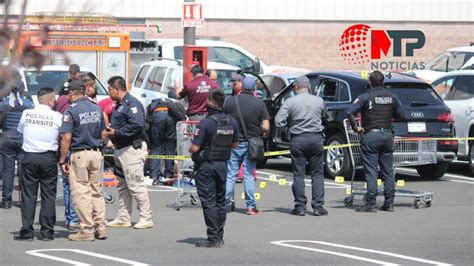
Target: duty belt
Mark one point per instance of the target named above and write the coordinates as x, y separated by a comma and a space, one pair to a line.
379, 130
85, 149
306, 134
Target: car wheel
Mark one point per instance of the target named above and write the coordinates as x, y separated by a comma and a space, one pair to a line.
261, 163
336, 160
432, 171
471, 157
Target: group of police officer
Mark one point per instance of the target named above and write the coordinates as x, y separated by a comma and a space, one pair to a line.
82, 131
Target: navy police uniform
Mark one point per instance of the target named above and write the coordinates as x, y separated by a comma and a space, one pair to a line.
161, 124
377, 107
128, 121
85, 122
215, 135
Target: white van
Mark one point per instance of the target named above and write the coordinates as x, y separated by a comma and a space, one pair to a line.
218, 51
157, 78
54, 76
450, 60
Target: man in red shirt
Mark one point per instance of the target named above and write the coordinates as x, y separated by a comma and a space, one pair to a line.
197, 91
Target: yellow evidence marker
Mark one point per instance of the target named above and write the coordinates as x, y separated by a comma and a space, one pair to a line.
400, 183
257, 196
273, 177
263, 184
339, 179
282, 182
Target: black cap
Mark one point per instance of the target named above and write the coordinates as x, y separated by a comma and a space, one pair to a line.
76, 85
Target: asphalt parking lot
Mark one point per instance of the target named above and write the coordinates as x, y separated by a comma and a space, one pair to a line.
440, 234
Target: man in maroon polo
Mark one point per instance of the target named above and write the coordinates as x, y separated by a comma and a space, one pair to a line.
197, 91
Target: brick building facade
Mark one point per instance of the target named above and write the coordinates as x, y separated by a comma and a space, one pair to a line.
315, 44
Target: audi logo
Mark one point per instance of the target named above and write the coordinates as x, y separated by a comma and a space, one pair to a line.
417, 114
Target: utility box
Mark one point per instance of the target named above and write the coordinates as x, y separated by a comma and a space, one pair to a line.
193, 55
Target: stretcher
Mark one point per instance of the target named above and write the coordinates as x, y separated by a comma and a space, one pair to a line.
408, 152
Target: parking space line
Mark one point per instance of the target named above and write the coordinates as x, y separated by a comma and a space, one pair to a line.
38, 253
283, 243
459, 181
445, 175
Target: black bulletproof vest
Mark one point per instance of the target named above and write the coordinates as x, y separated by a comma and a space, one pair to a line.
221, 144
380, 111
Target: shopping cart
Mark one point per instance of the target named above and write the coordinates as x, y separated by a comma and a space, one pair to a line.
408, 152
185, 181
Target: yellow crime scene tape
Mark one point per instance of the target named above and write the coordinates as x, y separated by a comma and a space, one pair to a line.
287, 152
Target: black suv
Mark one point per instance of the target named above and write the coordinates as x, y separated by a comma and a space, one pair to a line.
340, 88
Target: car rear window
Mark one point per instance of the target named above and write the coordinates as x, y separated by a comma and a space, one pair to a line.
415, 94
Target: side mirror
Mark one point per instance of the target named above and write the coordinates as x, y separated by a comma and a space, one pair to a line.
256, 66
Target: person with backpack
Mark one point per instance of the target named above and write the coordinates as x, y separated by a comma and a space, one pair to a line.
162, 115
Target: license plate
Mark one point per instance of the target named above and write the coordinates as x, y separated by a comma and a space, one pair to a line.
416, 127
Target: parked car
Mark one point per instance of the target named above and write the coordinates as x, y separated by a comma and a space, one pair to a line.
53, 76
456, 88
339, 89
157, 78
450, 60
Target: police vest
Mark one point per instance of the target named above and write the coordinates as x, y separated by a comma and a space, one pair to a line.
221, 144
380, 111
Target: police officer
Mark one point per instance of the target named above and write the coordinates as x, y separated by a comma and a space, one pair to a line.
214, 138
305, 115
12, 108
40, 129
378, 106
83, 131
162, 116
127, 133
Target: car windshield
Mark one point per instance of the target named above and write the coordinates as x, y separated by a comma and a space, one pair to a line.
36, 80
415, 94
449, 61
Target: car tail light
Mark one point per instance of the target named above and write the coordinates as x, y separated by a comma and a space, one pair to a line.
446, 117
452, 144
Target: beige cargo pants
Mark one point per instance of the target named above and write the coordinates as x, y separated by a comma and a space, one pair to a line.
133, 186
84, 178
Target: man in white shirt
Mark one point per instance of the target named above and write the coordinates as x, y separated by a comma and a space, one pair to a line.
40, 129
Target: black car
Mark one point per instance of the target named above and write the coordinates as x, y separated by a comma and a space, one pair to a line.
339, 89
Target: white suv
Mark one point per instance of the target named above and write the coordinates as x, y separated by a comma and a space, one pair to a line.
457, 90
157, 79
